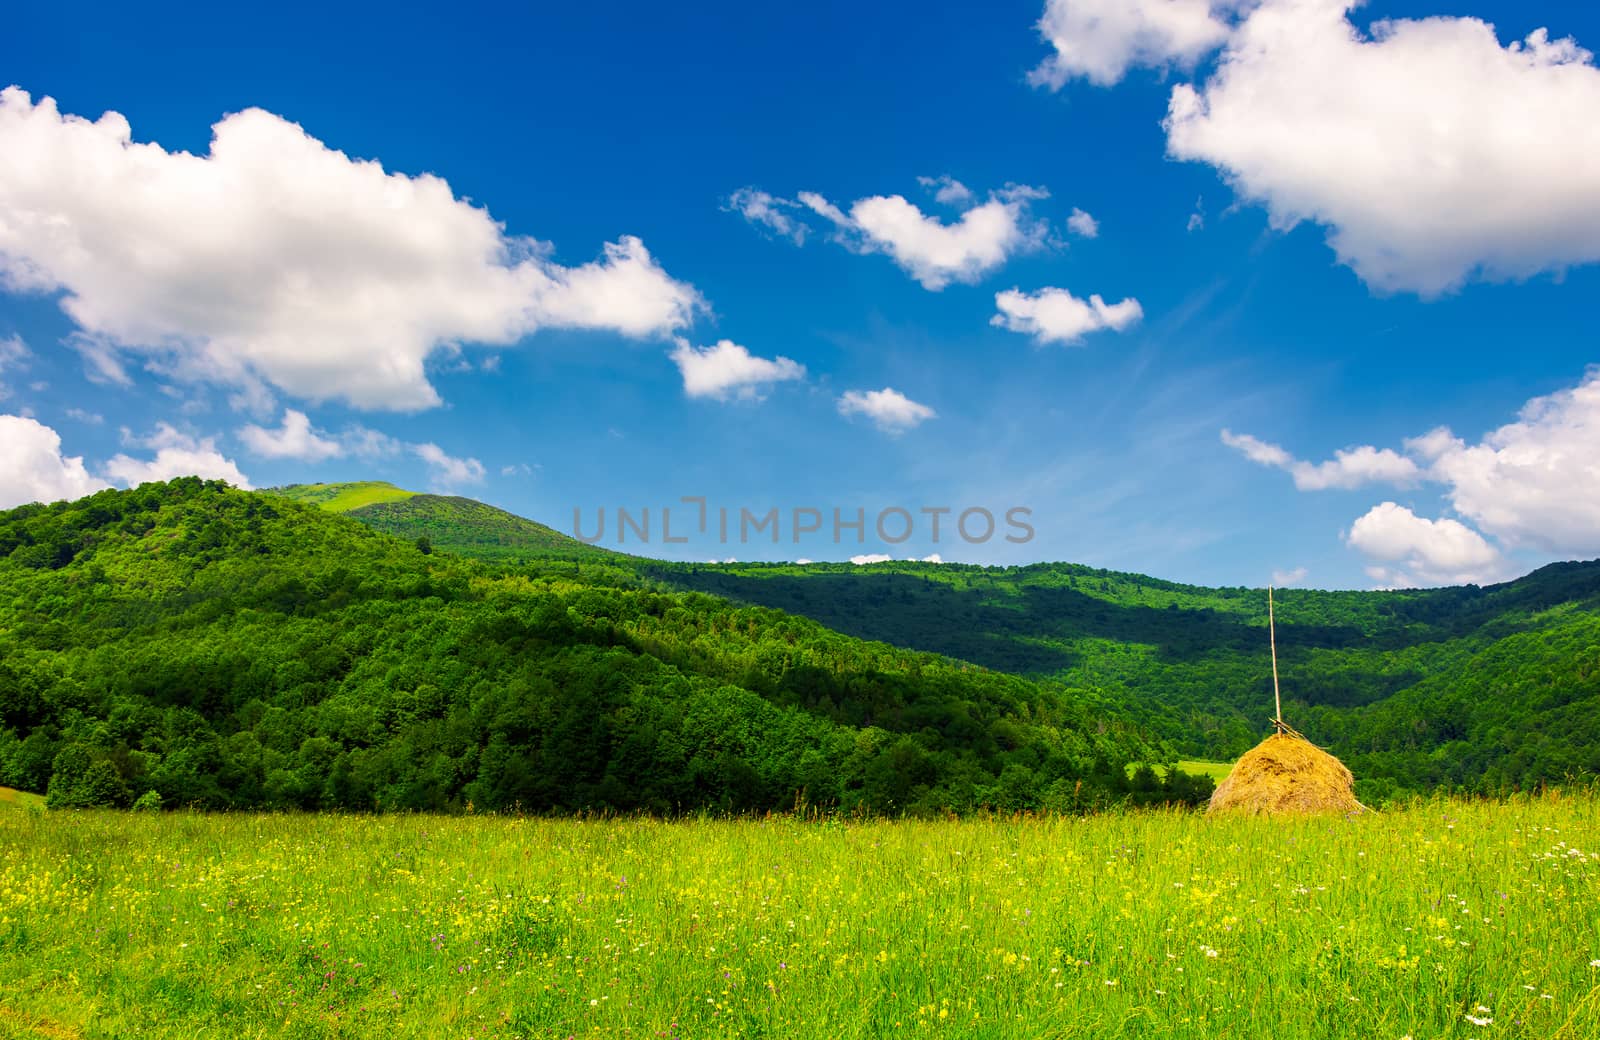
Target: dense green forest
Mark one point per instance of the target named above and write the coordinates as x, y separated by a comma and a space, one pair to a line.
1471, 688
1476, 688
231, 649
364, 646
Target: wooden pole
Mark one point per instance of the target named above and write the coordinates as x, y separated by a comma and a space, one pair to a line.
1272, 637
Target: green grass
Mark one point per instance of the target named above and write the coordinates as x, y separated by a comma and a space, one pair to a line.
1135, 925
342, 498
1194, 767
11, 798
1217, 771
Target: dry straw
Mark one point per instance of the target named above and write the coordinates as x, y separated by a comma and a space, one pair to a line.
1286, 773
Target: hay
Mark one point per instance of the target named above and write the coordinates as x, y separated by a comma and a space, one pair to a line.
1287, 775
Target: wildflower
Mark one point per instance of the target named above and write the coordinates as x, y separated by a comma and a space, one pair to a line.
1475, 1020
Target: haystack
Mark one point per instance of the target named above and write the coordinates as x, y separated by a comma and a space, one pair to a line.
1287, 774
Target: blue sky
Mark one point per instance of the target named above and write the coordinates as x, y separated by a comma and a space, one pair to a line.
163, 317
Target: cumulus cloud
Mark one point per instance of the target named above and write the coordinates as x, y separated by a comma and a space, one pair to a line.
177, 454
869, 558
935, 253
1083, 225
276, 260
947, 190
1056, 316
1349, 467
1535, 481
1100, 40
889, 409
1431, 153
769, 212
1529, 483
1417, 551
728, 370
448, 472
295, 439
32, 468
928, 249
1284, 579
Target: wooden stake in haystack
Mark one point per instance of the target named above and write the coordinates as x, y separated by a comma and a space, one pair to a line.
1286, 773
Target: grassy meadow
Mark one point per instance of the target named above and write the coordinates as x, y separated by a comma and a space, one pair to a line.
1422, 923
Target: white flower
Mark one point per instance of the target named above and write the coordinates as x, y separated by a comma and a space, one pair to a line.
1478, 1021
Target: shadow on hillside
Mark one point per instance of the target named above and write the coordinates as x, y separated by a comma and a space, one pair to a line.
996, 629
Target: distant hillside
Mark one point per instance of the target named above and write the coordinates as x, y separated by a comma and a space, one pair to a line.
450, 523
237, 649
1471, 687
1476, 687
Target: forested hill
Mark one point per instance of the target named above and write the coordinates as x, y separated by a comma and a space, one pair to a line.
1473, 687
225, 648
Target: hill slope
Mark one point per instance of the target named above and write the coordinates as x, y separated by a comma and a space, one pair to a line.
227, 648
1472, 687
1478, 687
341, 498
448, 522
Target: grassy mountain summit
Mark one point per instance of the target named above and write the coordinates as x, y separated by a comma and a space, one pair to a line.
448, 522
341, 498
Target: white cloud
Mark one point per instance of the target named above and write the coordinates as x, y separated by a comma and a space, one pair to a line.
14, 354
178, 454
947, 190
32, 468
447, 471
867, 558
1056, 316
928, 249
295, 439
1528, 483
1284, 579
892, 411
729, 370
273, 259
369, 444
89, 418
1349, 467
1532, 482
802, 561
1429, 552
1083, 225
769, 212
517, 469
932, 558
1432, 154
1100, 40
